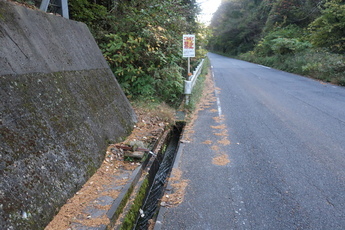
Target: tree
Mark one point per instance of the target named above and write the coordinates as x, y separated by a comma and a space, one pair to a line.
328, 30
141, 40
144, 51
95, 16
237, 26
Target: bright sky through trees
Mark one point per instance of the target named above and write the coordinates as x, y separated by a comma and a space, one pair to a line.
208, 7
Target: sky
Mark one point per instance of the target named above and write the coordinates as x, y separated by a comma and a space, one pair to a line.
208, 7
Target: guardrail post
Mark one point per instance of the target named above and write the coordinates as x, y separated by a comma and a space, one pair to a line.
187, 90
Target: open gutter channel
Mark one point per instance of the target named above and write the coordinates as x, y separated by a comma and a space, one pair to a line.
159, 171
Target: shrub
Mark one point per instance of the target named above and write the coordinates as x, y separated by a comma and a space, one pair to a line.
288, 45
169, 84
122, 51
324, 65
282, 41
329, 29
315, 63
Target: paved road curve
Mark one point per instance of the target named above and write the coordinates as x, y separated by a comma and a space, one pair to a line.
286, 152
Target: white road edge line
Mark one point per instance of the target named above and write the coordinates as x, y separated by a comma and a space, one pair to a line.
217, 96
265, 66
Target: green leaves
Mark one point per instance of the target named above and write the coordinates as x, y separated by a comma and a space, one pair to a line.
142, 41
95, 16
328, 30
288, 45
145, 53
282, 41
301, 36
169, 83
241, 26
237, 25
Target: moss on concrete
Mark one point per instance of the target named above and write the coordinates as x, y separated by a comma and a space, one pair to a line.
132, 215
59, 104
54, 133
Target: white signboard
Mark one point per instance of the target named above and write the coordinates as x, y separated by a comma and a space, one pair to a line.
189, 45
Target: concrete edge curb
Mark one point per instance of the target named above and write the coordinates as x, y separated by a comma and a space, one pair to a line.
111, 214
128, 189
162, 210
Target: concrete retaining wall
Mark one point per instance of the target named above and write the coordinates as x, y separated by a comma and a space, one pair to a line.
60, 105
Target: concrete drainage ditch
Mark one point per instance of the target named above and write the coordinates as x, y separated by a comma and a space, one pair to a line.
138, 205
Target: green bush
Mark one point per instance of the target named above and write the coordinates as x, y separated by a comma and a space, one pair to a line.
146, 52
316, 63
142, 70
95, 16
169, 84
288, 45
328, 30
284, 40
122, 51
324, 65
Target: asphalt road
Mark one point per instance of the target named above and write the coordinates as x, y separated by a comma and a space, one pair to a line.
286, 153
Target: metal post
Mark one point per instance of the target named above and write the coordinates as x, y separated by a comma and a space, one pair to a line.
187, 99
44, 5
62, 7
188, 67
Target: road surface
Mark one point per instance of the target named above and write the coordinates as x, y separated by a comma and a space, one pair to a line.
269, 153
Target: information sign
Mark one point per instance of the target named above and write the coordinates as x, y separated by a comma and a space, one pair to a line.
189, 45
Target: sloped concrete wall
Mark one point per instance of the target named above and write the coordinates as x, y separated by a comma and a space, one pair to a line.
60, 104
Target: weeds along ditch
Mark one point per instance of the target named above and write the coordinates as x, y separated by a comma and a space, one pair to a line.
146, 205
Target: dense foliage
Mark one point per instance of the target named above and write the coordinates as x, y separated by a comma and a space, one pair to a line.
328, 30
142, 42
302, 36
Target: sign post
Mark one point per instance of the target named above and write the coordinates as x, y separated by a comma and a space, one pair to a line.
188, 47
188, 51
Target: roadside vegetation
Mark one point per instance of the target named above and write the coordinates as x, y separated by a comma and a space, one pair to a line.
306, 37
142, 42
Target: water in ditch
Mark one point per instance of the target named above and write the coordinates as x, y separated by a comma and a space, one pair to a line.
159, 172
